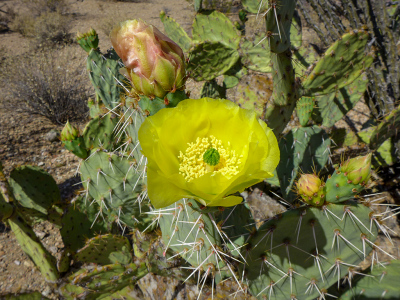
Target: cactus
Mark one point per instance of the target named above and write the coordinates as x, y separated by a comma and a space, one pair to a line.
106, 249
332, 107
215, 27
303, 263
349, 179
341, 64
211, 89
304, 109
208, 60
378, 283
256, 55
88, 40
278, 24
389, 127
302, 149
176, 32
34, 188
102, 281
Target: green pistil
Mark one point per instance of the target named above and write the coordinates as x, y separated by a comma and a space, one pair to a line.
211, 157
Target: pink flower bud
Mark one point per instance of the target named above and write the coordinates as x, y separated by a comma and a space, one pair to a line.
155, 65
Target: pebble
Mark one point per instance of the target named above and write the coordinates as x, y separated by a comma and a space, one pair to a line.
53, 249
52, 136
40, 164
28, 264
2, 253
17, 262
40, 234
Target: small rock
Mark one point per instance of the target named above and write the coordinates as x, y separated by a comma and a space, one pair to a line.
40, 164
46, 292
17, 262
53, 249
40, 234
1, 253
28, 264
52, 136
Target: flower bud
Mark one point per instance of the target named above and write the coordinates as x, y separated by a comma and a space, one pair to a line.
358, 169
311, 189
69, 132
155, 65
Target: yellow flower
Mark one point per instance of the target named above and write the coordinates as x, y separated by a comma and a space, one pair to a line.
206, 149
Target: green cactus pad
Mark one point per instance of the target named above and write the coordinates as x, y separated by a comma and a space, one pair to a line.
304, 57
96, 107
389, 127
338, 189
304, 149
298, 254
283, 74
151, 106
278, 22
230, 81
175, 32
296, 32
255, 6
31, 245
249, 99
334, 106
304, 108
208, 60
115, 183
215, 27
342, 63
211, 89
105, 77
77, 147
6, 209
99, 132
256, 54
34, 188
106, 249
277, 116
64, 262
81, 221
383, 285
88, 40
102, 281
196, 241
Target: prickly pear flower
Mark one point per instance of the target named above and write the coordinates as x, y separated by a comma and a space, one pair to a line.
206, 149
358, 169
69, 132
311, 189
155, 65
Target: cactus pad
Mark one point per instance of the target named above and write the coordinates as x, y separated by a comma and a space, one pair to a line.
304, 149
341, 64
208, 60
106, 249
175, 32
303, 262
215, 27
304, 108
34, 188
256, 55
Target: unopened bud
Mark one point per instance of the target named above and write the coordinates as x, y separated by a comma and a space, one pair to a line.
358, 169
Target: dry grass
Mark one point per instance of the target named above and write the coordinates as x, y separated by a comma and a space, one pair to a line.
46, 83
47, 21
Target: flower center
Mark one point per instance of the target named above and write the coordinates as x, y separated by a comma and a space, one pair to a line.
208, 155
211, 157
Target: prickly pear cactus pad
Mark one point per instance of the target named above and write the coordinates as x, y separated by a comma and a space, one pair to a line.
305, 149
301, 253
208, 60
214, 26
206, 149
342, 63
176, 32
117, 185
34, 188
